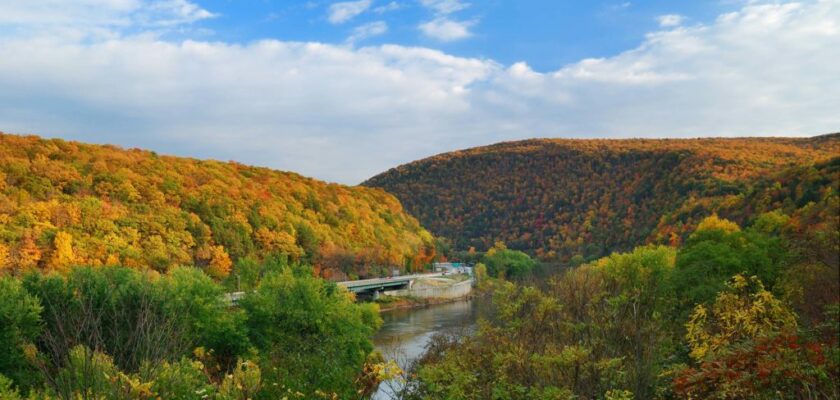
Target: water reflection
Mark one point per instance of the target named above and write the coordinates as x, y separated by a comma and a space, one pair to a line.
405, 334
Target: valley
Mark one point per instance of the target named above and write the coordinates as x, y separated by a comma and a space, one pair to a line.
601, 269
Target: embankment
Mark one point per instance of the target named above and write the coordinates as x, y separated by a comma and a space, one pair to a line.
426, 292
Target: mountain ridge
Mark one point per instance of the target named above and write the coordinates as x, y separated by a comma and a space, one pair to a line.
67, 203
568, 196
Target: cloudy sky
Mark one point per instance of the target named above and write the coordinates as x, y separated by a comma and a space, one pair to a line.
344, 90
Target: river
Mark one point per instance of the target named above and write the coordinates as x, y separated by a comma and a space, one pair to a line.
405, 334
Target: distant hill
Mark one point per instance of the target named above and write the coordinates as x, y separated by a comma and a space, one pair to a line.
67, 203
558, 198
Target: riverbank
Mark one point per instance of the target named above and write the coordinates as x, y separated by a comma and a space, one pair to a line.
426, 292
390, 303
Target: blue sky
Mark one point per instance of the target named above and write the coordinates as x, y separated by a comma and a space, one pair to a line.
343, 90
545, 33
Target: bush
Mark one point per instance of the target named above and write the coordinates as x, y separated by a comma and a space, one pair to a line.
302, 325
20, 324
505, 263
183, 380
7, 390
87, 374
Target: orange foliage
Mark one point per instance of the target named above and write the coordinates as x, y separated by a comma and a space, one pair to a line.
67, 203
561, 198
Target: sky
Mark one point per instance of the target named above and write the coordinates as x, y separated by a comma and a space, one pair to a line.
344, 90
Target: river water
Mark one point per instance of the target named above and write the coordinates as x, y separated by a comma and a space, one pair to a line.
405, 334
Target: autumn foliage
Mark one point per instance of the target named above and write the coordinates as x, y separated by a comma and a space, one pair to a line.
64, 204
560, 198
615, 328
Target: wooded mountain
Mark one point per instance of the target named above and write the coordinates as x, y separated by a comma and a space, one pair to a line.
66, 203
559, 198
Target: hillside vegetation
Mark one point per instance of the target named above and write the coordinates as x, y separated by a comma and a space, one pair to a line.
560, 198
731, 313
64, 204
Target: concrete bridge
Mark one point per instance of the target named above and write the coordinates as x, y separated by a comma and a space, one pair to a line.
372, 287
364, 288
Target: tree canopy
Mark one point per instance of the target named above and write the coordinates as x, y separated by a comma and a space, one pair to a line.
64, 204
556, 198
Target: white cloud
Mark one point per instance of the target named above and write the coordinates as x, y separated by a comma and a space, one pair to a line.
669, 20
344, 114
344, 11
392, 6
445, 7
96, 18
446, 30
369, 30
175, 12
442, 27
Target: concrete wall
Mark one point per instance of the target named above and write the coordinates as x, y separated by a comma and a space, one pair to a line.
434, 290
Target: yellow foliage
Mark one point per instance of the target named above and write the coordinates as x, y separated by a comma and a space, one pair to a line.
62, 256
713, 222
220, 263
480, 273
4, 257
142, 210
744, 310
498, 246
243, 383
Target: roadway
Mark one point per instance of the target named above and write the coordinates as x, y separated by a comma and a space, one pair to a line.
386, 281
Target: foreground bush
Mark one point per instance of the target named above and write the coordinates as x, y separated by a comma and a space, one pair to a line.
118, 333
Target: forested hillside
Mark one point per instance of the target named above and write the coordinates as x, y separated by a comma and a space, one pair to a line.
731, 313
561, 198
64, 204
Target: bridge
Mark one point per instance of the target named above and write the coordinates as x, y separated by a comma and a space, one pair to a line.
373, 287
362, 287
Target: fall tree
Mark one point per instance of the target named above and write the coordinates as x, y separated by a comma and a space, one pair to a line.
744, 311
62, 256
747, 346
27, 254
715, 223
219, 266
4, 258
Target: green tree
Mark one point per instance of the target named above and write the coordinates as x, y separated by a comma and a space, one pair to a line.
637, 295
506, 263
20, 325
716, 251
196, 303
301, 325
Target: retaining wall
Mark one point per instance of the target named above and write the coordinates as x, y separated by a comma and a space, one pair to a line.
424, 290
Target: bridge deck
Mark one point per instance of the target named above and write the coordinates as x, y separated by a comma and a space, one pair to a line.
365, 284
355, 286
